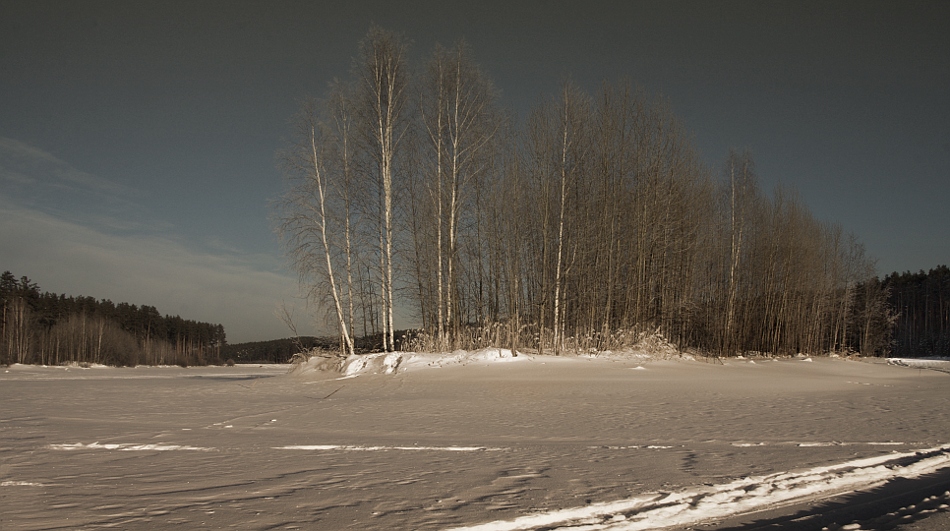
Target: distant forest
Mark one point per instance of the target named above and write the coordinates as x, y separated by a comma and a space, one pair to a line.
588, 224
921, 303
282, 350
50, 329
276, 350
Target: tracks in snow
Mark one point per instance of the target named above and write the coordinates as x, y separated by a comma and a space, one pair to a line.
744, 495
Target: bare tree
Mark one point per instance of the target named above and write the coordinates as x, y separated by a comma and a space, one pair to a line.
303, 218
340, 129
592, 226
460, 121
382, 82
742, 194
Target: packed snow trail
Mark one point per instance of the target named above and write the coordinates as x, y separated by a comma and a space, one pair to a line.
744, 495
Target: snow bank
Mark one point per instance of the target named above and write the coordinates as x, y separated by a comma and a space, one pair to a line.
316, 364
937, 363
388, 363
393, 362
85, 365
379, 362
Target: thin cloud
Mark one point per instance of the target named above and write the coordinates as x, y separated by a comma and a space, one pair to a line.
37, 179
19, 160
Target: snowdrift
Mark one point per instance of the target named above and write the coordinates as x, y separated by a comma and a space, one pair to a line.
400, 362
940, 364
392, 362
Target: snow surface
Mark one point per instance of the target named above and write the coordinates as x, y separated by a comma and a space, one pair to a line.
464, 440
743, 495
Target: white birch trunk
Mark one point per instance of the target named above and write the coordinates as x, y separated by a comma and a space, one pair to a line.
326, 244
560, 232
736, 250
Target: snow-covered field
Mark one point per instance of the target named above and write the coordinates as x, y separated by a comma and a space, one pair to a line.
468, 440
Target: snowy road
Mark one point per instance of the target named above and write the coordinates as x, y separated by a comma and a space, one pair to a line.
543, 443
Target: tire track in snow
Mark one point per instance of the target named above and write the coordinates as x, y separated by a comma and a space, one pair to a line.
744, 495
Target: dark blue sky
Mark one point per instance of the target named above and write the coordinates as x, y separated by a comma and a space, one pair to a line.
137, 139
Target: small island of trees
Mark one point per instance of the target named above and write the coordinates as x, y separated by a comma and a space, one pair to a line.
587, 225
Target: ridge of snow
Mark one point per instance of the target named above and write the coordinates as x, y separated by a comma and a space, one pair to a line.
392, 362
128, 447
20, 484
357, 448
921, 363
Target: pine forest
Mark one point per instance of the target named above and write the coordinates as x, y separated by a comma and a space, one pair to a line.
49, 329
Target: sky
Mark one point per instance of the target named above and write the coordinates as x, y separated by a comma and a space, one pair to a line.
138, 139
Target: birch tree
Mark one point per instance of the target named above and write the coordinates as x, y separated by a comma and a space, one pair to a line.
382, 80
591, 226
742, 194
304, 218
460, 121
340, 129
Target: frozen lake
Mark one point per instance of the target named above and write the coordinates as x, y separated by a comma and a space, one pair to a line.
484, 444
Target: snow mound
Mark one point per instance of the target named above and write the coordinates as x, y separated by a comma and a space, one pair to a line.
393, 362
316, 364
84, 365
922, 363
376, 363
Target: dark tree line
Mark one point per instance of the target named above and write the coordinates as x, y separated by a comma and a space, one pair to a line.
275, 350
921, 302
46, 328
283, 350
591, 224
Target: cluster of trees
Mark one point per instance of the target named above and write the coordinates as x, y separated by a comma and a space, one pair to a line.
46, 328
584, 226
921, 302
